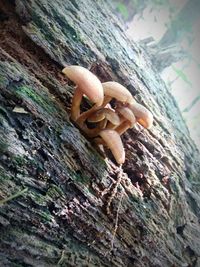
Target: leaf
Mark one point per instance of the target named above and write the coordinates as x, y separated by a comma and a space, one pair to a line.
122, 9
181, 75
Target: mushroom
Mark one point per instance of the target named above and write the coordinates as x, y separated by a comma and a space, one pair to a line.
117, 91
88, 84
109, 123
76, 102
100, 116
127, 114
105, 113
114, 143
128, 119
123, 127
142, 114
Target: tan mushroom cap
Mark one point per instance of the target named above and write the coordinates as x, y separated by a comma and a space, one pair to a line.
142, 114
87, 82
127, 114
103, 124
104, 113
117, 91
114, 142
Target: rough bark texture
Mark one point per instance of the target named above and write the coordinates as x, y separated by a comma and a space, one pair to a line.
61, 219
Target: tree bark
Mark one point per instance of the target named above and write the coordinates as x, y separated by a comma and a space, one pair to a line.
55, 186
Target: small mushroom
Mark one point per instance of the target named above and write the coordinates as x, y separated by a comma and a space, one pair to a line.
104, 113
123, 127
117, 91
142, 114
114, 143
88, 84
100, 116
127, 114
127, 119
102, 124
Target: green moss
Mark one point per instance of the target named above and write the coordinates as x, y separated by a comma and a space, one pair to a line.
134, 198
3, 81
55, 192
58, 130
19, 161
3, 112
3, 175
35, 97
3, 146
83, 179
46, 216
38, 199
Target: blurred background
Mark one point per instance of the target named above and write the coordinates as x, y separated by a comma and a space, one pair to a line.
170, 32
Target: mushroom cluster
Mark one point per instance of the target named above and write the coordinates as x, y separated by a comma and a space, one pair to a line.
114, 110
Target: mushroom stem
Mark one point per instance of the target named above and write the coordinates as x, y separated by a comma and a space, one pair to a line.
82, 118
110, 125
127, 114
123, 127
102, 124
90, 132
107, 99
99, 141
76, 102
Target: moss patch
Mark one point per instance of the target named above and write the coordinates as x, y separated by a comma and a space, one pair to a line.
42, 101
3, 146
3, 175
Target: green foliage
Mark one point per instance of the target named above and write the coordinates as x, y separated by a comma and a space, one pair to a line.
19, 161
122, 9
182, 75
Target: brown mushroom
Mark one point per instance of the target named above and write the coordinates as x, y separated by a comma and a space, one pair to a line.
104, 113
127, 114
100, 116
123, 127
142, 114
88, 84
114, 143
102, 124
127, 119
117, 91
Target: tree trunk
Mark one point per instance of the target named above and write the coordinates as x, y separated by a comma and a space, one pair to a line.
55, 186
